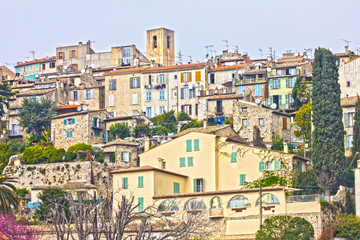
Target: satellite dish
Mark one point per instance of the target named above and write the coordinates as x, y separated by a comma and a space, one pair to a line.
84, 107
257, 101
65, 67
78, 108
273, 106
71, 103
92, 65
268, 69
296, 54
77, 103
82, 70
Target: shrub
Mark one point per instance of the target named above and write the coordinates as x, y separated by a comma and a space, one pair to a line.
15, 147
21, 192
323, 204
120, 130
183, 116
100, 157
80, 147
192, 124
33, 154
4, 156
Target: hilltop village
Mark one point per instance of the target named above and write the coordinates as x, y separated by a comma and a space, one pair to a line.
222, 141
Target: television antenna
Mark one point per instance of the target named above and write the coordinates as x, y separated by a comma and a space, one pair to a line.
33, 53
208, 49
179, 57
346, 41
260, 50
226, 44
236, 48
309, 50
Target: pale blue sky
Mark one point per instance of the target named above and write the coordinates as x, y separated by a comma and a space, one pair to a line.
42, 25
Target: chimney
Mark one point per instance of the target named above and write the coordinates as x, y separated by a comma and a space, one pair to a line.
286, 147
147, 144
346, 49
205, 123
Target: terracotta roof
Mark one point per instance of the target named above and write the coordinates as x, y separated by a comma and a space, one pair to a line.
35, 92
352, 60
290, 59
127, 70
226, 96
34, 61
76, 113
45, 82
120, 141
224, 68
349, 101
145, 168
344, 54
243, 190
176, 66
208, 129
255, 71
68, 106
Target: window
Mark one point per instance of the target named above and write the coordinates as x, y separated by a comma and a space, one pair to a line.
43, 67
125, 183
189, 145
31, 67
134, 82
141, 204
69, 134
135, 99
186, 109
348, 142
162, 78
196, 145
168, 42
278, 72
148, 112
268, 166
299, 166
244, 109
111, 100
126, 156
140, 181
51, 65
61, 55
96, 122
112, 84
149, 79
257, 90
194, 204
284, 120
242, 179
88, 94
244, 122
24, 68
261, 122
216, 203
162, 94
239, 201
168, 205
290, 82
37, 66
186, 77
212, 78
73, 67
60, 68
348, 84
176, 188
154, 41
161, 110
293, 71
97, 133
276, 83
190, 161
268, 199
73, 54
261, 166
198, 185
148, 95
182, 162
126, 56
74, 95
241, 90
233, 157
186, 93
277, 165
349, 119
69, 121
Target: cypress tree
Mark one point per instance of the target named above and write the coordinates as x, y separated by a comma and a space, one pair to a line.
328, 135
356, 130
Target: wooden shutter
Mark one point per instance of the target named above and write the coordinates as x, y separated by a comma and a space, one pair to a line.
287, 82
105, 136
194, 185
57, 55
261, 166
176, 188
198, 76
73, 120
284, 123
76, 53
346, 119
271, 100
196, 145
346, 142
122, 156
182, 162
277, 165
188, 145
242, 179
182, 93
182, 77
141, 204
190, 110
233, 157
140, 181
129, 156
280, 101
299, 165
190, 161
279, 83
131, 83
271, 84
190, 76
125, 183
286, 101
182, 108
65, 121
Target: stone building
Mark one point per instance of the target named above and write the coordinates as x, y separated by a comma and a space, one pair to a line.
160, 46
35, 70
349, 78
78, 127
122, 152
270, 122
128, 56
220, 75
348, 109
6, 74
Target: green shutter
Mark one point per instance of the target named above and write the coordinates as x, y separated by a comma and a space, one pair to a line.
271, 100
122, 156
141, 204
182, 162
242, 179
188, 145
129, 156
94, 122
65, 122
347, 142
176, 188
346, 119
140, 181
287, 82
190, 161
261, 166
125, 183
196, 145
233, 157
271, 84
280, 101
286, 102
277, 165
299, 165
194, 182
279, 81
73, 120
105, 136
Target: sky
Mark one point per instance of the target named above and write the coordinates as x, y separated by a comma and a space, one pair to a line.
43, 25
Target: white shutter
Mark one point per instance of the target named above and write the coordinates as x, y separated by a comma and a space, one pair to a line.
85, 94
111, 100
152, 111
135, 98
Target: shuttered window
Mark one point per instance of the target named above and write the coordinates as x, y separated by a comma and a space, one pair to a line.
233, 157
125, 183
190, 161
198, 76
261, 166
196, 145
285, 123
176, 188
140, 181
189, 145
182, 162
277, 165
141, 204
299, 166
242, 179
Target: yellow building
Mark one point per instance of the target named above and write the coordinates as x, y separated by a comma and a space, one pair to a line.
207, 172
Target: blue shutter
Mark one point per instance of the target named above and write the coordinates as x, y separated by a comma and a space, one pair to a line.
73, 120
176, 188
277, 165
125, 183
347, 137
286, 102
194, 185
190, 161
94, 122
261, 166
271, 84
270, 100
105, 136
287, 82
182, 162
346, 119
233, 157
65, 121
189, 145
280, 101
141, 204
299, 165
279, 83
196, 145
140, 181
242, 179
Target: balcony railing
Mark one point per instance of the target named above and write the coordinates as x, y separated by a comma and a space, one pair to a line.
251, 80
14, 132
305, 198
218, 111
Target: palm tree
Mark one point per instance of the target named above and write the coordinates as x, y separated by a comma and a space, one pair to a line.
8, 197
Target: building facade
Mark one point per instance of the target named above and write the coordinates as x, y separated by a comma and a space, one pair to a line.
160, 46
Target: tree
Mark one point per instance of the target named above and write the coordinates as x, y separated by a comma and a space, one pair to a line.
14, 229
192, 124
164, 123
5, 94
285, 228
183, 116
142, 129
120, 130
346, 226
49, 198
299, 94
328, 135
35, 116
8, 197
303, 123
356, 130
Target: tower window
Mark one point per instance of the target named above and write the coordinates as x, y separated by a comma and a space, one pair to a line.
154, 41
168, 42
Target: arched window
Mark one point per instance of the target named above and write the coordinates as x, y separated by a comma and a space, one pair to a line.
154, 41
233, 157
239, 201
268, 199
261, 166
277, 165
168, 42
216, 202
268, 166
194, 204
168, 205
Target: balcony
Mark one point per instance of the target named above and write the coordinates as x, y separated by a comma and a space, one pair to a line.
14, 133
250, 80
218, 111
216, 213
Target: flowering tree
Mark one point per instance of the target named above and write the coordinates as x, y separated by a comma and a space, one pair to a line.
12, 229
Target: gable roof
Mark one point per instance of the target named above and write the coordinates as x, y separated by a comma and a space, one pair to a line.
120, 141
208, 129
145, 168
348, 102
224, 68
127, 70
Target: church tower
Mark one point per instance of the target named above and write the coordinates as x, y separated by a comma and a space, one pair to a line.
160, 46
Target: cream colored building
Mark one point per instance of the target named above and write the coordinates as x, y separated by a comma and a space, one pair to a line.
123, 152
253, 84
220, 75
128, 56
349, 78
35, 70
348, 109
208, 173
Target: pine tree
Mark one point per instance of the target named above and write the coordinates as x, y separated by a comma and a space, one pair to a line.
356, 133
328, 135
